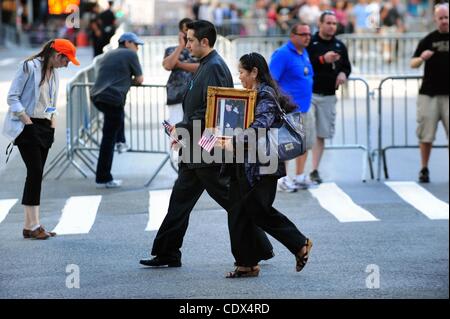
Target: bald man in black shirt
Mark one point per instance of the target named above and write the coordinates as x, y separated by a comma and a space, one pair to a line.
432, 103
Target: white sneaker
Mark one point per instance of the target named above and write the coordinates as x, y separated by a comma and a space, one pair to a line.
115, 183
285, 185
122, 147
302, 183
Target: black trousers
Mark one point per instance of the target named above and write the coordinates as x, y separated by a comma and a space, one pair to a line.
34, 144
121, 134
188, 188
112, 126
255, 206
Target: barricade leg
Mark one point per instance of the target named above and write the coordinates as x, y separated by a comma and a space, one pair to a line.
167, 158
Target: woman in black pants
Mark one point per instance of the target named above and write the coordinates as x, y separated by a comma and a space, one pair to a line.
30, 121
253, 186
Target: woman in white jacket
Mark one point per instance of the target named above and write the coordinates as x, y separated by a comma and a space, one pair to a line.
30, 121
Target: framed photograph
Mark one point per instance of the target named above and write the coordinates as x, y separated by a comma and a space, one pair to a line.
229, 108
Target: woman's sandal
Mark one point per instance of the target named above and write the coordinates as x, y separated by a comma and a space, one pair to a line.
241, 272
302, 256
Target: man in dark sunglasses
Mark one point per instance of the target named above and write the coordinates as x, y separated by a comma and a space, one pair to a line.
291, 68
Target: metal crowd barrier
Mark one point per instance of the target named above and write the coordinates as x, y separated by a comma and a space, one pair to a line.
145, 110
375, 54
258, 25
353, 122
66, 156
370, 54
34, 37
397, 106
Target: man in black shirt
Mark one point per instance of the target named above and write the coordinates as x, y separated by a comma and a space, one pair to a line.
117, 71
331, 66
432, 103
196, 176
108, 19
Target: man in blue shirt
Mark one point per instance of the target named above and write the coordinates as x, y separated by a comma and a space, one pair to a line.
291, 68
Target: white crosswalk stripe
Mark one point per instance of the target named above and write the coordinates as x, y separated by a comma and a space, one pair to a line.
5, 207
79, 212
421, 199
339, 204
158, 203
78, 215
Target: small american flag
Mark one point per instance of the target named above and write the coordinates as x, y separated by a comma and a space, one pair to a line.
207, 141
167, 127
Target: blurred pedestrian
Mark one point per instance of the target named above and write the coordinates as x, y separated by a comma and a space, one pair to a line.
433, 101
31, 121
342, 16
117, 71
96, 30
309, 14
291, 67
194, 177
108, 19
360, 17
196, 8
254, 190
332, 68
392, 25
285, 11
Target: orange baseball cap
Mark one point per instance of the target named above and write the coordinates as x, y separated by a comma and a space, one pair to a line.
67, 48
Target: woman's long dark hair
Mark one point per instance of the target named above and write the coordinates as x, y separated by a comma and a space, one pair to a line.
45, 54
256, 60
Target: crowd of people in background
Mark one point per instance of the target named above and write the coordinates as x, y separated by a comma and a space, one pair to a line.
257, 18
268, 17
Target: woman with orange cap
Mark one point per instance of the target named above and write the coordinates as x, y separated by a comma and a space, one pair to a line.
30, 121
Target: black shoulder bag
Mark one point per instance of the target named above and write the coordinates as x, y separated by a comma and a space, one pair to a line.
287, 141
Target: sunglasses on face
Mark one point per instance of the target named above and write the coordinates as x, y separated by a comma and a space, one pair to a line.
302, 34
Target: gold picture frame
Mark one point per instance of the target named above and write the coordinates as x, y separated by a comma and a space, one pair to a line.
229, 108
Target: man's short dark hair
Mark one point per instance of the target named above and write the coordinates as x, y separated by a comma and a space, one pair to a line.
295, 26
183, 22
326, 13
204, 29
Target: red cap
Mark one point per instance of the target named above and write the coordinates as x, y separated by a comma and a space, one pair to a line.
67, 48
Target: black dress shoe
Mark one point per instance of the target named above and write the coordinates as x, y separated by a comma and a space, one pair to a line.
160, 262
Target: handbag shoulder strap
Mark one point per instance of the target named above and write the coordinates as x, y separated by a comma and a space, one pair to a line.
283, 113
280, 109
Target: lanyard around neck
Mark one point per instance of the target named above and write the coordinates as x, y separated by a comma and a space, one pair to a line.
51, 94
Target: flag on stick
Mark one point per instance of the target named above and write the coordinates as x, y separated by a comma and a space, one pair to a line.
207, 141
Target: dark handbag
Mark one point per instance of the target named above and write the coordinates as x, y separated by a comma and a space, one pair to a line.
287, 141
